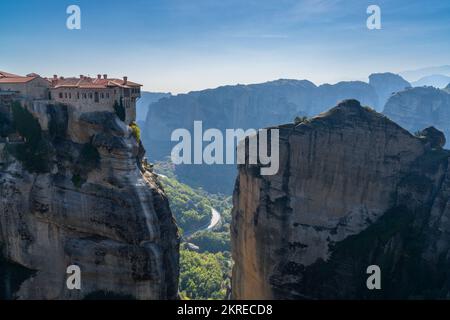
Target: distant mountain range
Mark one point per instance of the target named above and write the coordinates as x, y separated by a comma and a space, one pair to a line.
147, 98
435, 80
417, 108
250, 106
415, 75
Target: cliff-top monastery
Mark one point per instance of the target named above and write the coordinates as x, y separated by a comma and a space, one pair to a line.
83, 93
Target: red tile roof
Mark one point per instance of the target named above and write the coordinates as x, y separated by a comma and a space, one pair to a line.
6, 74
91, 83
82, 82
6, 77
17, 79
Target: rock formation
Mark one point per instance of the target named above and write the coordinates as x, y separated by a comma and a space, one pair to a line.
78, 193
417, 108
387, 84
354, 189
250, 106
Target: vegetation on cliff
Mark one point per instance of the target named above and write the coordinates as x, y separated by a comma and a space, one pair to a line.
206, 272
35, 151
135, 131
204, 275
120, 110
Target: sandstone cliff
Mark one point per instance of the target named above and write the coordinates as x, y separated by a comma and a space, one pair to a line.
417, 108
77, 193
354, 189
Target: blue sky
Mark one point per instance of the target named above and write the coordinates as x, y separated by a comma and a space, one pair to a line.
183, 45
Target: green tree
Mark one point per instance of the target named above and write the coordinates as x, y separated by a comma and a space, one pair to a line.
203, 275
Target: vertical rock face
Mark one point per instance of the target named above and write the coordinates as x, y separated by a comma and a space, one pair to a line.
417, 108
353, 190
387, 84
93, 205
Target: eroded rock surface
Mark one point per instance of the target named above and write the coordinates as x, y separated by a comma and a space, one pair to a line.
93, 205
354, 189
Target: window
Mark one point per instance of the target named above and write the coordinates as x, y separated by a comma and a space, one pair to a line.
60, 95
70, 95
78, 95
107, 95
90, 95
65, 95
103, 95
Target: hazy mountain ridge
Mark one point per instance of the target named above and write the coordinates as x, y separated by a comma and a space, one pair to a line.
435, 80
144, 102
419, 107
250, 106
414, 75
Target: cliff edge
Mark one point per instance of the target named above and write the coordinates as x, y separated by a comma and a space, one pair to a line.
75, 191
354, 189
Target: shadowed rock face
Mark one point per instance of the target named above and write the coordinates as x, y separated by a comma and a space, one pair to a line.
354, 189
417, 108
107, 215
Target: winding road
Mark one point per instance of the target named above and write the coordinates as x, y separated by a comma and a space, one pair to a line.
215, 220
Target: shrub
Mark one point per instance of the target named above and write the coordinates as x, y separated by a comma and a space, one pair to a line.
26, 125
135, 131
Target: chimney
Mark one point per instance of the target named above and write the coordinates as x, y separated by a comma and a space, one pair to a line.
105, 76
81, 76
99, 76
55, 77
125, 80
62, 78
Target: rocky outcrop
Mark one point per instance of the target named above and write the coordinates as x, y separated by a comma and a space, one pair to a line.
242, 106
354, 189
387, 84
417, 108
85, 199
